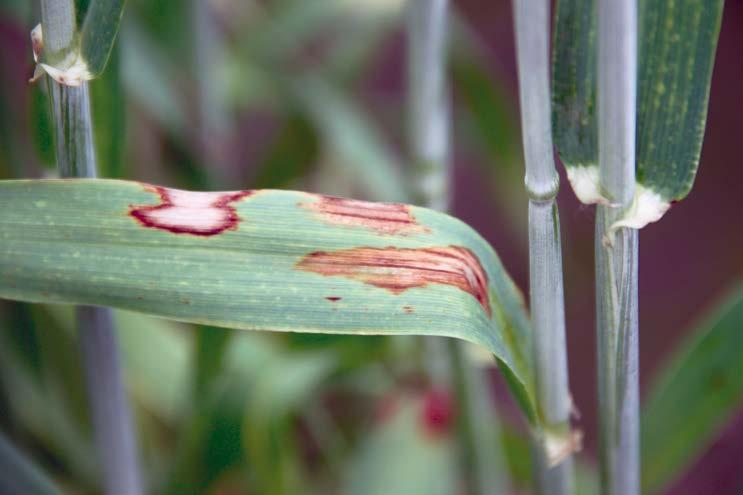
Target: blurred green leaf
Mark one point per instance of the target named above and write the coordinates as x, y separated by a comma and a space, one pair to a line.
19, 474
18, 10
210, 348
404, 455
257, 375
269, 437
108, 113
491, 110
150, 77
42, 411
288, 27
294, 152
696, 394
156, 358
209, 440
346, 130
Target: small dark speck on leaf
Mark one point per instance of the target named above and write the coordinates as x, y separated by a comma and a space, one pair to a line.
408, 309
333, 298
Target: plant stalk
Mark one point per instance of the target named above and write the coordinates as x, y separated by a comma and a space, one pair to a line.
545, 254
112, 423
428, 113
429, 133
617, 261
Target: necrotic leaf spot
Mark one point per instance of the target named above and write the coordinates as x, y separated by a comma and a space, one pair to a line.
400, 269
185, 212
384, 218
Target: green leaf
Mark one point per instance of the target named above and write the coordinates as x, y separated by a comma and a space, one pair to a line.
42, 130
676, 53
78, 36
697, 393
98, 31
262, 260
108, 113
148, 75
282, 386
210, 347
19, 474
40, 407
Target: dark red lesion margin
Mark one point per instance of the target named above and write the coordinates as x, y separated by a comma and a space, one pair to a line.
400, 269
228, 220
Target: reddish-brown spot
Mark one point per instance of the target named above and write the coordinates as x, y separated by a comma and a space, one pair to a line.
333, 298
384, 218
184, 212
437, 413
408, 309
399, 269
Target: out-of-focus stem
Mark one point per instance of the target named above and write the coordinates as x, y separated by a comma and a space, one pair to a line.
112, 422
428, 130
114, 434
19, 475
616, 256
545, 255
428, 113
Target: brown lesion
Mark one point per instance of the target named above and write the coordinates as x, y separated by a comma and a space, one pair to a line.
185, 212
384, 218
400, 269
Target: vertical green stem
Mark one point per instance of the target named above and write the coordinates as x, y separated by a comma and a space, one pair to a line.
76, 158
616, 256
545, 255
429, 133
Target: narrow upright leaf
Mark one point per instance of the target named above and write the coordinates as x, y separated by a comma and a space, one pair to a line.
98, 24
697, 393
676, 53
78, 46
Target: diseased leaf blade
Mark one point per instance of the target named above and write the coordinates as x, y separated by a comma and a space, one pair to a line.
261, 260
676, 53
698, 392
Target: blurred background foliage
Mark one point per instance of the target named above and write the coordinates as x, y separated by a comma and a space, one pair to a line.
231, 94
